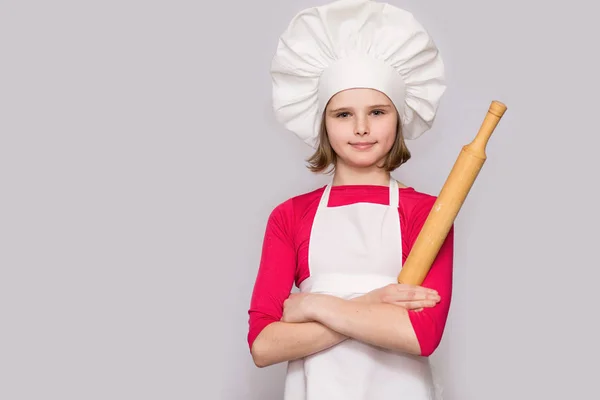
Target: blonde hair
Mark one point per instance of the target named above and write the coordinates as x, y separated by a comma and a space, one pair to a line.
325, 156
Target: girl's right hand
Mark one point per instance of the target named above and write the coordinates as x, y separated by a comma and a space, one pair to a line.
411, 297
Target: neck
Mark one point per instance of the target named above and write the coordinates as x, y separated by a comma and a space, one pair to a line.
346, 175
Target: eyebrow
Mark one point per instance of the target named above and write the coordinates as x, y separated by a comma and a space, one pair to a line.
348, 108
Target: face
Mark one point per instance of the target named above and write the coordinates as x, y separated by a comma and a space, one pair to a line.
361, 126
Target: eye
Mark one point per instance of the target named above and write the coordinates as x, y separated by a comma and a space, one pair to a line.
342, 115
378, 112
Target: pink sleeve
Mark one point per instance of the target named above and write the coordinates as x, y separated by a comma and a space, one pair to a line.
276, 271
429, 323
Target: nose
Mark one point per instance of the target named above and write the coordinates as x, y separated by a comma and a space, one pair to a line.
362, 126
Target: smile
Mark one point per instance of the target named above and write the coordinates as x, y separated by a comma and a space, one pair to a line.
362, 145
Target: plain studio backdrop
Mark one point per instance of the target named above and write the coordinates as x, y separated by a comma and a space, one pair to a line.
139, 161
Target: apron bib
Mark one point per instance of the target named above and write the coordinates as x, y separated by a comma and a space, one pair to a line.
354, 249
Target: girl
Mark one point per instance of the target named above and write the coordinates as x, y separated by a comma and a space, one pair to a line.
354, 79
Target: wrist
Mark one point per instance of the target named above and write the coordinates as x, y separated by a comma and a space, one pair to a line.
314, 306
361, 299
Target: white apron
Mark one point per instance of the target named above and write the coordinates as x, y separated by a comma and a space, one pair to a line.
354, 249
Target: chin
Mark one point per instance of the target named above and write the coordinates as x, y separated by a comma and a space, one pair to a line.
363, 162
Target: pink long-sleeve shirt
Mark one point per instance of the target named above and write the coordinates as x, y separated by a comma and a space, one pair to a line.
284, 259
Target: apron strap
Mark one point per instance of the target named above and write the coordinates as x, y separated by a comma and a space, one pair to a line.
394, 197
325, 196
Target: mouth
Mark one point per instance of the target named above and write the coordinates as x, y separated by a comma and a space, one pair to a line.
362, 145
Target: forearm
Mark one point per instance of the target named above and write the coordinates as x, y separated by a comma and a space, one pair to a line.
379, 324
282, 341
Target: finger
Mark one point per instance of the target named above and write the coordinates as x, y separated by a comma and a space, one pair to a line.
411, 296
401, 288
424, 304
404, 286
413, 305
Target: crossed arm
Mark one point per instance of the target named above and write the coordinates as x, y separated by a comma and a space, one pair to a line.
283, 341
315, 322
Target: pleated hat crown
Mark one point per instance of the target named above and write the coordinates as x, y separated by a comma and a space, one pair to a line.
355, 44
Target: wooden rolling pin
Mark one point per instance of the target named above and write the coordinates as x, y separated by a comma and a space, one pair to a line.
450, 200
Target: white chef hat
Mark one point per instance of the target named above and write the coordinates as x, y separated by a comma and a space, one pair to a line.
355, 44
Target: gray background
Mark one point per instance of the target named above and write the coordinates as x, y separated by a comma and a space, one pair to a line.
139, 160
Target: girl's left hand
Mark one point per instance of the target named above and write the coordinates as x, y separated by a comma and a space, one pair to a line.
295, 308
